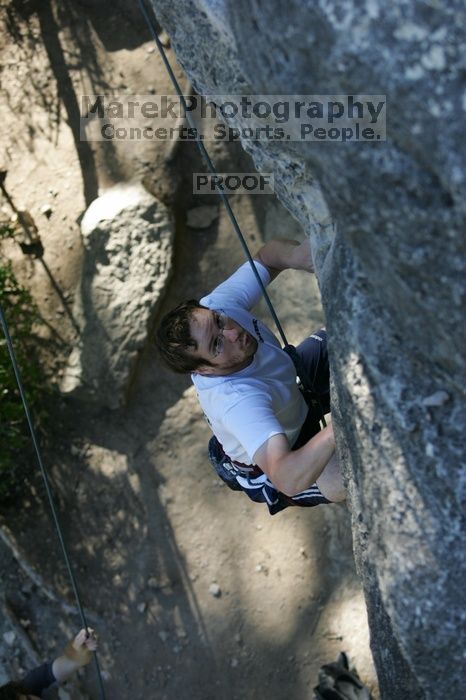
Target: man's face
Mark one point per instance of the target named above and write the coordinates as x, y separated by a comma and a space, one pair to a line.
223, 342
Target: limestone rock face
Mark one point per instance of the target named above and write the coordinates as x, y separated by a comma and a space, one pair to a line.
387, 228
127, 236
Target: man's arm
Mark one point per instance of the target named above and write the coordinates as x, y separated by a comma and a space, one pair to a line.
282, 254
294, 471
241, 288
77, 653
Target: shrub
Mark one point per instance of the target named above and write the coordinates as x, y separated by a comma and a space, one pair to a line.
16, 453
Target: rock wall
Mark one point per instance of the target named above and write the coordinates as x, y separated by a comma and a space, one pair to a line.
386, 222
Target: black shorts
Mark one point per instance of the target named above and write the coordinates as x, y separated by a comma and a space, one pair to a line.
314, 359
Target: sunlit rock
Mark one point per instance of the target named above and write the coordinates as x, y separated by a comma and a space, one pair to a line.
127, 236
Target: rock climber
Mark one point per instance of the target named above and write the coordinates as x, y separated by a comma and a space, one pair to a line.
267, 440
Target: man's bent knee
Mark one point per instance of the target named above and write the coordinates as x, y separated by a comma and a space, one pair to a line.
330, 482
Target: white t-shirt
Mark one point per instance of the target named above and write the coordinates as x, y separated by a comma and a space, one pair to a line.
246, 408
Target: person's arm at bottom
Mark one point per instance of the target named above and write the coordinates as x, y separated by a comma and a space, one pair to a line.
76, 654
294, 471
37, 680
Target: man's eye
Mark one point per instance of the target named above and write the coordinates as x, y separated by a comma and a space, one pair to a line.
220, 321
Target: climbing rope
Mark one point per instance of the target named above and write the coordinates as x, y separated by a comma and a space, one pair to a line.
48, 489
288, 348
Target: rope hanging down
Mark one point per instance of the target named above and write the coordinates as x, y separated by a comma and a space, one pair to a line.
45, 477
289, 349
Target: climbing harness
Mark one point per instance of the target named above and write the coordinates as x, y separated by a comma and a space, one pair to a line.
48, 489
251, 480
310, 396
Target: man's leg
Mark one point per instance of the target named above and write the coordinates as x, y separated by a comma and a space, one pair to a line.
314, 358
330, 482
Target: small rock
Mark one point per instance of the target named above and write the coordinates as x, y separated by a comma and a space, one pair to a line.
429, 450
152, 582
259, 568
234, 663
436, 399
163, 636
142, 607
9, 638
164, 39
75, 451
46, 210
202, 217
215, 590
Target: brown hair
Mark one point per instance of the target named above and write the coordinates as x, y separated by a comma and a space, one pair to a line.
173, 339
